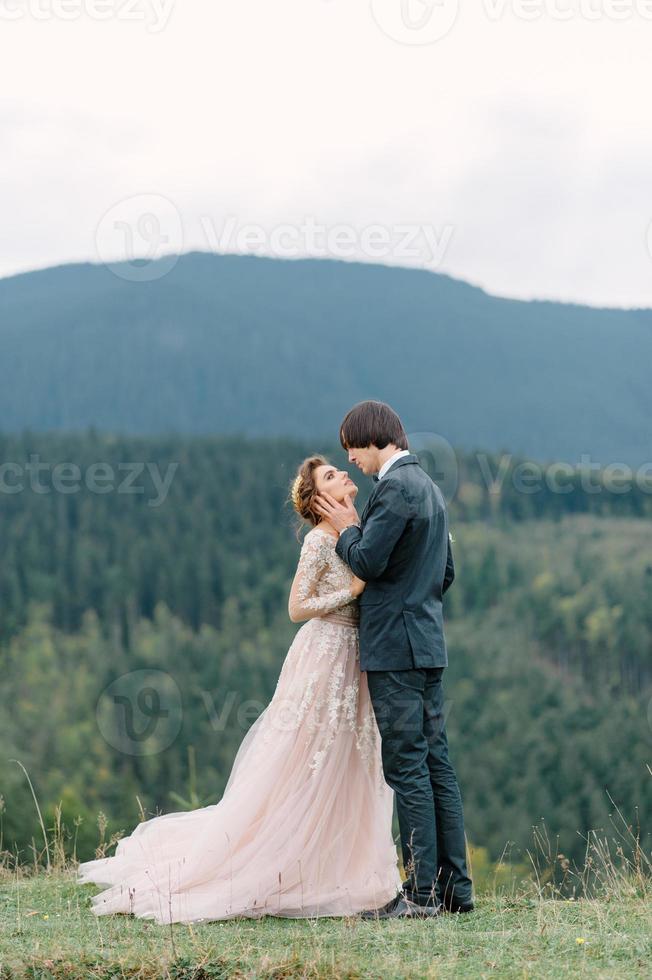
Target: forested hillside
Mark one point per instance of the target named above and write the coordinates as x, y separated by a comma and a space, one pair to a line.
293, 344
549, 624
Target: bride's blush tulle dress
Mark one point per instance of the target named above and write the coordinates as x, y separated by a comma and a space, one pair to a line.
304, 827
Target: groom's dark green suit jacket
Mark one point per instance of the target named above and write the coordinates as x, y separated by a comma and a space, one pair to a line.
403, 553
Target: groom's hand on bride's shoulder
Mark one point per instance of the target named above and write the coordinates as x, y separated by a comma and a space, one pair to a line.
340, 515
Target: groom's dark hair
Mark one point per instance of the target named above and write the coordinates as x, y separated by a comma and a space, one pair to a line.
372, 424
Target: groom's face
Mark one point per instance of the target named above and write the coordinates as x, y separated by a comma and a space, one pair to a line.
365, 458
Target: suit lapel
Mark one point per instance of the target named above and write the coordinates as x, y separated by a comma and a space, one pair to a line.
363, 516
412, 458
368, 504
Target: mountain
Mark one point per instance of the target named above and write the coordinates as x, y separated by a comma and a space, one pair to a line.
259, 346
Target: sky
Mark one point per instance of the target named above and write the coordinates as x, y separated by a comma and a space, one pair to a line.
505, 143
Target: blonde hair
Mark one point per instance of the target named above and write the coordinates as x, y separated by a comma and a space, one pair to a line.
303, 489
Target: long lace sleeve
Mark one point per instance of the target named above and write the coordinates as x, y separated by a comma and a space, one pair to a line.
307, 599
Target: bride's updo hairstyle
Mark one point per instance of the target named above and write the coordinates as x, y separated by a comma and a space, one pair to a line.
303, 490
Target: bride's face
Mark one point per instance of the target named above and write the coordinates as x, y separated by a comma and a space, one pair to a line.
337, 483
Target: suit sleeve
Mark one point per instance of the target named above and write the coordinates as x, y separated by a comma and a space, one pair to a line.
367, 551
449, 574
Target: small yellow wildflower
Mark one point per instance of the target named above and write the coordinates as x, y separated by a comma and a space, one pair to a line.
580, 940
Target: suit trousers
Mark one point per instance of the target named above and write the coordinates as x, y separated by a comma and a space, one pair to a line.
409, 710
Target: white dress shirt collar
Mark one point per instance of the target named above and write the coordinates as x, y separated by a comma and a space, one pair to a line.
392, 459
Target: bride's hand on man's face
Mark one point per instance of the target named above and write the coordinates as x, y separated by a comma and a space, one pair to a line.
339, 515
357, 586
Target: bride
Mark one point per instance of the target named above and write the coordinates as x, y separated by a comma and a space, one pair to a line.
304, 826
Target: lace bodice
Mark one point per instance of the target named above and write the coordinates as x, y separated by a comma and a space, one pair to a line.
322, 582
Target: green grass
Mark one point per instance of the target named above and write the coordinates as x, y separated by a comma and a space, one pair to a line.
48, 930
550, 919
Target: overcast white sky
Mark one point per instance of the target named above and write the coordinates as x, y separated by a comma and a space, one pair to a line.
505, 143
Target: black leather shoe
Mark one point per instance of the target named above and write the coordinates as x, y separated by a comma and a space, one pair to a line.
455, 907
401, 908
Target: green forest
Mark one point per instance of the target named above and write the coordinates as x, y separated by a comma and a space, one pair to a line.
152, 574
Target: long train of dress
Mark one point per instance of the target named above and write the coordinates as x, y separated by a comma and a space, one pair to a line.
304, 825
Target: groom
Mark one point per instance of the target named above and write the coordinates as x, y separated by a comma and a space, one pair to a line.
400, 547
